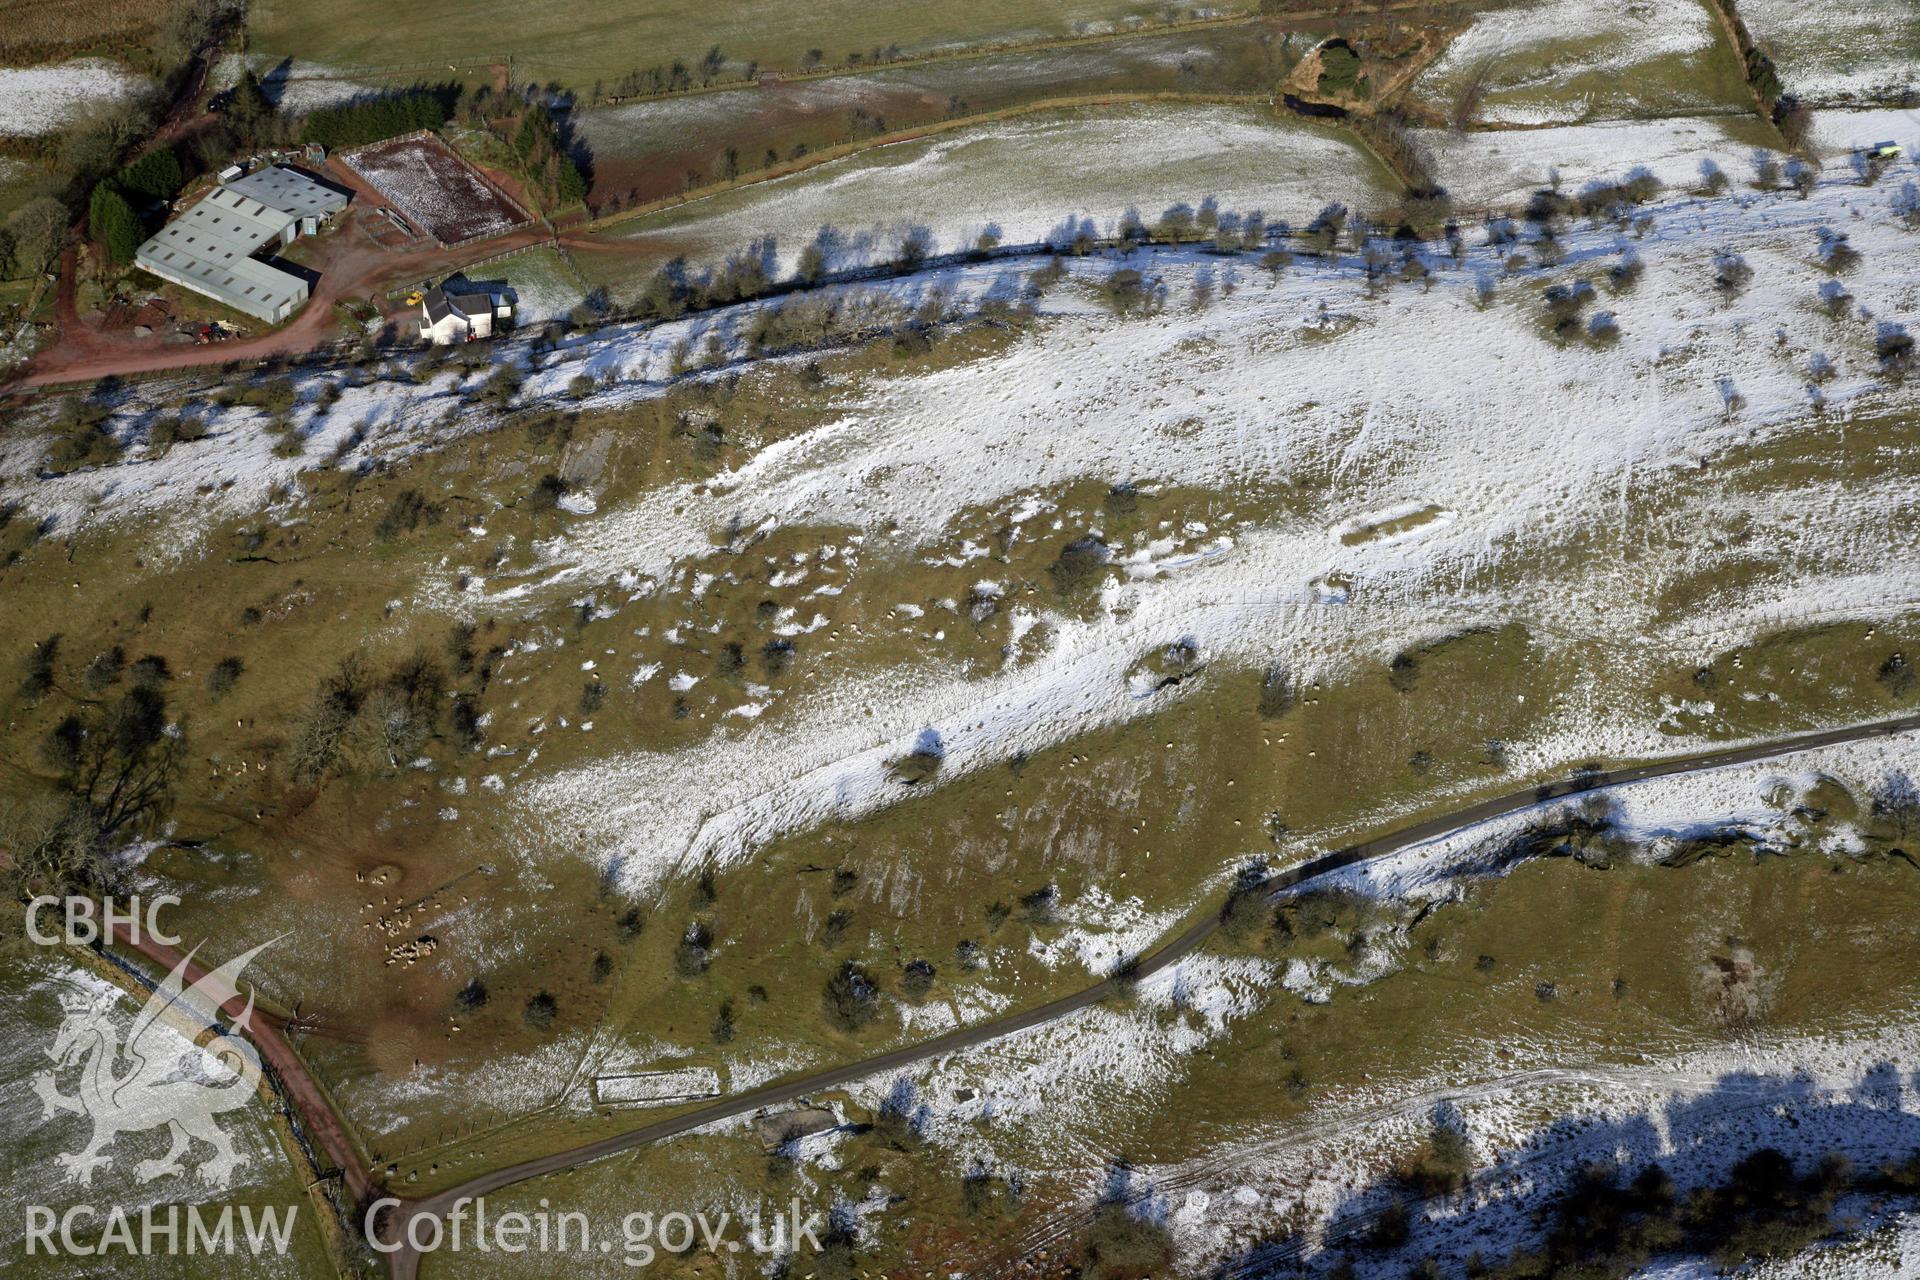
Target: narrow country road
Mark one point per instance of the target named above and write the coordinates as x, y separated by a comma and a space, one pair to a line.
404, 1263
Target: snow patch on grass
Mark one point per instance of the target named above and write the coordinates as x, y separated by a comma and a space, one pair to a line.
1031, 178
1840, 50
1537, 50
1695, 1111
511, 1085
1204, 397
40, 100
1764, 799
1059, 1080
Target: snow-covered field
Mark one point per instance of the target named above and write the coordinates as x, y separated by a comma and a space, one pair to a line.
1504, 167
37, 100
297, 86
544, 287
1562, 61
1054, 1084
1030, 177
1840, 50
1410, 404
33, 1138
1849, 1090
1053, 1099
511, 1085
1573, 484
1086, 166
1243, 386
1838, 134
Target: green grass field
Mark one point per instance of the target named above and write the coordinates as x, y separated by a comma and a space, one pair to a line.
19, 179
577, 47
645, 150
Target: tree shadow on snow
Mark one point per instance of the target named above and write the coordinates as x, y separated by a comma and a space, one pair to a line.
1400, 1224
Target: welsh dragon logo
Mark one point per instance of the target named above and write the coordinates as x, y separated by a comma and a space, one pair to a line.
163, 1075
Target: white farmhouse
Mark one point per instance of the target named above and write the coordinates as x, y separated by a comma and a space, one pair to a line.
447, 318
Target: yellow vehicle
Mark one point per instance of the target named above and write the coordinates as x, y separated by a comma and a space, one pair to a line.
413, 299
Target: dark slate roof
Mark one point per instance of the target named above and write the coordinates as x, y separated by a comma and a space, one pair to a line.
437, 305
